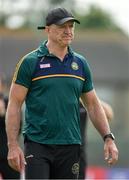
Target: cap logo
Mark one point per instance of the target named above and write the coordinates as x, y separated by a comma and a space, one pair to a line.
74, 66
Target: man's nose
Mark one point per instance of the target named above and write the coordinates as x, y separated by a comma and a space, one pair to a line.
67, 30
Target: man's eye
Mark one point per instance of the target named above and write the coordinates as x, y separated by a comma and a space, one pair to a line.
61, 27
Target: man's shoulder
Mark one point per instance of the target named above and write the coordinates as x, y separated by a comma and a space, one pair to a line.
80, 57
28, 59
30, 56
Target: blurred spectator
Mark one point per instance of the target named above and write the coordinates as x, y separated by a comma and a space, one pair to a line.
83, 147
83, 126
6, 172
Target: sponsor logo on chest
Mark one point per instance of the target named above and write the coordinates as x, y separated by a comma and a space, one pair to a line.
45, 65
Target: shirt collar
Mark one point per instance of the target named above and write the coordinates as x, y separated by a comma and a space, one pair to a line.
43, 50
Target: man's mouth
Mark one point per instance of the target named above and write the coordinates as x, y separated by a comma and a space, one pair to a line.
67, 37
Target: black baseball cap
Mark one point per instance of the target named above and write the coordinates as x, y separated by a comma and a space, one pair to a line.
58, 16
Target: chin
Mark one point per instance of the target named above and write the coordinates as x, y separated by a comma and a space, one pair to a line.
67, 42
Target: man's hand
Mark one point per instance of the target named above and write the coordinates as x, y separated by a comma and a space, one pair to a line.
110, 151
16, 158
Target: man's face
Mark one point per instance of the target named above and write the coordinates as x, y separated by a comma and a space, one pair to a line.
61, 34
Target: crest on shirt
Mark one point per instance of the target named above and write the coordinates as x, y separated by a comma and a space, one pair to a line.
74, 66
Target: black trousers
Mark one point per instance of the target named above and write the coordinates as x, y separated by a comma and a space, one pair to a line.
51, 161
83, 163
7, 172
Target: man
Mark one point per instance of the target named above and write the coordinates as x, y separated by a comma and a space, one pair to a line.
5, 170
83, 126
51, 80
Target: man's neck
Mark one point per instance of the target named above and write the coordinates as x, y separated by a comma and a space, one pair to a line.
58, 51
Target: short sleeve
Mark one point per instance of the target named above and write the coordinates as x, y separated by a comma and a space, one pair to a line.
88, 83
23, 74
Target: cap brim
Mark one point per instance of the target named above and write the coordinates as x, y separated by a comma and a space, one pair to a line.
64, 20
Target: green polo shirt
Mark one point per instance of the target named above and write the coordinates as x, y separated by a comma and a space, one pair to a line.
52, 113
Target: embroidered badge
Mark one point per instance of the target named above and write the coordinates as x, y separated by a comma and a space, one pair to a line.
75, 168
74, 66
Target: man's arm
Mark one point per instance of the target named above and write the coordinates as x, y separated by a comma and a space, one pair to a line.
98, 118
13, 117
108, 110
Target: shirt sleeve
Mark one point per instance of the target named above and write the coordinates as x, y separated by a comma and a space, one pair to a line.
88, 83
23, 74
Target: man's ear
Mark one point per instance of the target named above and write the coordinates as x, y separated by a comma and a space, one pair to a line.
47, 29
